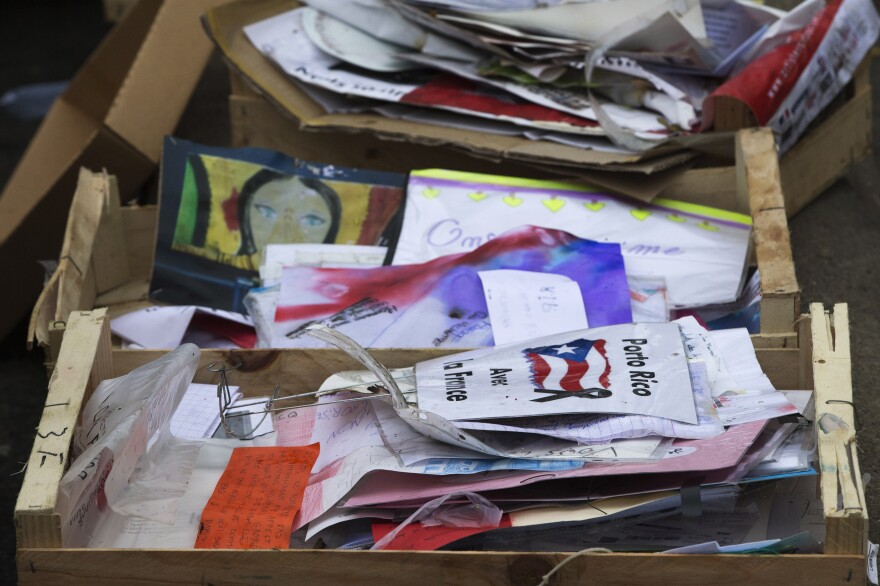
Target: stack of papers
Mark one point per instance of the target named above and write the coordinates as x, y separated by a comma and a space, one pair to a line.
613, 76
638, 437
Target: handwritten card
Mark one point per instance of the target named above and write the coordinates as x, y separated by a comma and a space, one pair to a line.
700, 252
256, 499
524, 304
339, 428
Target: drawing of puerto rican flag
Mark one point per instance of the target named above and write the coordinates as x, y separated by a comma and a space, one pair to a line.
574, 366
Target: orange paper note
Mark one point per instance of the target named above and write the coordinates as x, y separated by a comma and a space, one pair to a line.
256, 499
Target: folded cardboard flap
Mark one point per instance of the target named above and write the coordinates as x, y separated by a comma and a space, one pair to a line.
123, 100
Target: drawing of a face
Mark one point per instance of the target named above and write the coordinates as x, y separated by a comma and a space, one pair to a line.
286, 209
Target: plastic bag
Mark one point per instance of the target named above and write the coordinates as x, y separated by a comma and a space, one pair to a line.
477, 512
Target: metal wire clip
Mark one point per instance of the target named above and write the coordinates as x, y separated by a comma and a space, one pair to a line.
228, 410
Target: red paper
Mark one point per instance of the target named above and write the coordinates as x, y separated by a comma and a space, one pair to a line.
418, 537
766, 82
243, 335
256, 499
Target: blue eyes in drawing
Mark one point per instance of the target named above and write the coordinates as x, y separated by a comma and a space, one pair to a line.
312, 220
267, 212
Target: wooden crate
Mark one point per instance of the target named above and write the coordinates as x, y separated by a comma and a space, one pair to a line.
821, 362
107, 254
840, 138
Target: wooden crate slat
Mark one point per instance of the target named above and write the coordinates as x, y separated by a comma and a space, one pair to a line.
398, 568
36, 523
758, 186
843, 495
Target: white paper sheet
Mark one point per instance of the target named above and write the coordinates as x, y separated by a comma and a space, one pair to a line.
747, 406
198, 415
591, 430
317, 255
524, 305
701, 252
165, 326
630, 368
282, 39
352, 45
741, 370
591, 21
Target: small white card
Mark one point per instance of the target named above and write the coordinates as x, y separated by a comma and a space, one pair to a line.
524, 305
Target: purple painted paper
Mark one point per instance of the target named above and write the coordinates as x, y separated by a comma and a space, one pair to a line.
372, 304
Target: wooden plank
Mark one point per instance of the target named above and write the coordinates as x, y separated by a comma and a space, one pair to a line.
77, 285
732, 114
805, 345
781, 365
757, 181
43, 313
36, 523
393, 568
109, 252
843, 496
786, 340
133, 293
827, 152
306, 368
296, 370
140, 223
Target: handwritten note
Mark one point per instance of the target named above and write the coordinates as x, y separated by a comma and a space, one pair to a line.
340, 429
525, 304
256, 499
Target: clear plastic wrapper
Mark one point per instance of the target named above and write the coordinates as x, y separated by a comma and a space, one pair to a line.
477, 512
117, 436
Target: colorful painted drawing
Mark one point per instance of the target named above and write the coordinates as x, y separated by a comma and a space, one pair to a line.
221, 207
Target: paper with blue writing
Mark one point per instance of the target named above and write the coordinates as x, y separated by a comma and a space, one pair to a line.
701, 252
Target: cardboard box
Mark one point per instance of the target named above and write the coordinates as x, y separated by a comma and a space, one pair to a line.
108, 251
821, 362
125, 98
267, 110
114, 10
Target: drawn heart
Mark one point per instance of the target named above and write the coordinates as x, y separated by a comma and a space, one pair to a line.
512, 200
594, 206
554, 204
707, 226
477, 196
675, 218
430, 192
640, 214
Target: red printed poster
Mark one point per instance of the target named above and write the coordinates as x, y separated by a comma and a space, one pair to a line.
256, 499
